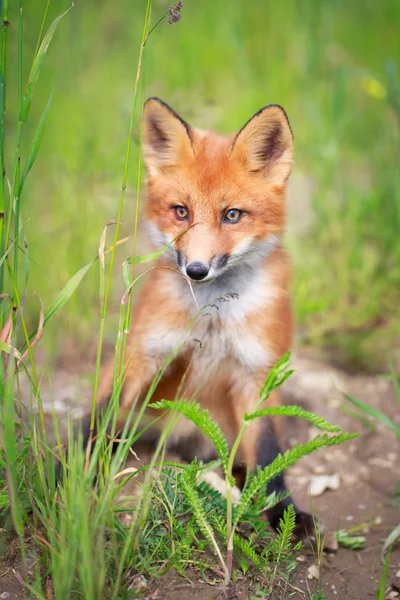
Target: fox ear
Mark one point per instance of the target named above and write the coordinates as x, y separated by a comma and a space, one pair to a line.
265, 144
166, 137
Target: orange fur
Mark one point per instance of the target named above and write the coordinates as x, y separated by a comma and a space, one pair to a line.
227, 351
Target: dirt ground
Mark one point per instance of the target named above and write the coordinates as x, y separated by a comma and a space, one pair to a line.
368, 468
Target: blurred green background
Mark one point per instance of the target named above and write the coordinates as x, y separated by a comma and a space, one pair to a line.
332, 64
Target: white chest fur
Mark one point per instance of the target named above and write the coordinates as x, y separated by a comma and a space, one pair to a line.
226, 325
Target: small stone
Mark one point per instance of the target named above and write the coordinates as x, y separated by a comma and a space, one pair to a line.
139, 584
349, 518
390, 595
361, 506
301, 558
398, 574
331, 544
5, 596
312, 572
320, 483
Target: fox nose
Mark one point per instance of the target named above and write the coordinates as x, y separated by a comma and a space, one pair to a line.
197, 271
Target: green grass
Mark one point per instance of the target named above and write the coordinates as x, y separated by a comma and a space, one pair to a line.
84, 547
327, 63
59, 189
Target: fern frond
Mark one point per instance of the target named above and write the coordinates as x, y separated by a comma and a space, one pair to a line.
278, 375
285, 531
201, 418
200, 514
197, 507
249, 551
293, 411
273, 499
281, 463
240, 543
281, 547
213, 465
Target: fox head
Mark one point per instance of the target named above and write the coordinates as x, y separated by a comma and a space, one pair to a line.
225, 195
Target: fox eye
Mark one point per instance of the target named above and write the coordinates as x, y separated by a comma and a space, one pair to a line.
233, 215
181, 212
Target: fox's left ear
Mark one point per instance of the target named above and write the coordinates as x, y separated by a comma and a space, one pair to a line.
265, 144
166, 137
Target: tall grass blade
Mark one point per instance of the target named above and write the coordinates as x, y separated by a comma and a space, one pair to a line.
37, 65
137, 259
382, 585
4, 347
391, 539
37, 140
4, 10
395, 380
42, 27
9, 443
67, 292
6, 253
2, 203
374, 412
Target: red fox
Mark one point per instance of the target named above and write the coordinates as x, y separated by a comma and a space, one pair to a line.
226, 196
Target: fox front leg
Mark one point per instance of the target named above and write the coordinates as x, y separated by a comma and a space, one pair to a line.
259, 448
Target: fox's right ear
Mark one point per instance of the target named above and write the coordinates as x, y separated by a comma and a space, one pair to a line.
265, 144
166, 137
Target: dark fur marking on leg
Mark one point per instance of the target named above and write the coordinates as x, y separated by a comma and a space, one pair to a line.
191, 447
268, 449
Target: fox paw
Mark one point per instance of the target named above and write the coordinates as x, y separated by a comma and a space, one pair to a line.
304, 530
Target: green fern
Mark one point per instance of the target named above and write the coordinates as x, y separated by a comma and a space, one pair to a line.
277, 376
268, 502
281, 548
285, 532
293, 411
246, 547
249, 552
281, 463
186, 483
201, 418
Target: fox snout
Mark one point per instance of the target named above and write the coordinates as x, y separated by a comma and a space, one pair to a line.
201, 269
197, 270
198, 256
